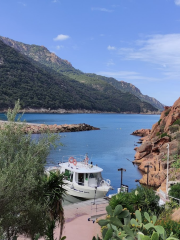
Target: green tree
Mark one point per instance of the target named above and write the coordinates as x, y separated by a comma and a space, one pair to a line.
54, 193
22, 191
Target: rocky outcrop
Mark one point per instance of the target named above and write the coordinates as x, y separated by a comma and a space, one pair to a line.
42, 128
141, 132
153, 151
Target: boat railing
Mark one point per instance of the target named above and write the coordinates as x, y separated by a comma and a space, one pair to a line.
79, 158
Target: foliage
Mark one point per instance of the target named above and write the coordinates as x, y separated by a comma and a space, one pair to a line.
167, 112
22, 189
177, 122
164, 135
158, 134
54, 192
162, 126
127, 87
141, 197
176, 164
173, 128
169, 226
178, 136
159, 121
119, 225
56, 84
175, 190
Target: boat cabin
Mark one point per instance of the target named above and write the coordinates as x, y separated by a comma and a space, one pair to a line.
84, 175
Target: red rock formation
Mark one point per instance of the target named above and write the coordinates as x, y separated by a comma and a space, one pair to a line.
153, 151
141, 132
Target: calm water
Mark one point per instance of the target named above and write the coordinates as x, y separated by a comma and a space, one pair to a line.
109, 147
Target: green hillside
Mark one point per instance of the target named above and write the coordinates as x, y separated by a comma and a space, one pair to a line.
40, 86
128, 87
44, 56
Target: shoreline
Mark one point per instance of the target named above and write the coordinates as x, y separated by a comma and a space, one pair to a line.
76, 111
36, 128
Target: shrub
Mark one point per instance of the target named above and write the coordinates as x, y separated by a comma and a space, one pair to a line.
159, 121
120, 224
167, 112
173, 128
176, 164
170, 226
162, 127
164, 135
141, 197
158, 134
177, 122
178, 136
175, 190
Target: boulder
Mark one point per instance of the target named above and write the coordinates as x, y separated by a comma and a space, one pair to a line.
145, 147
141, 132
155, 178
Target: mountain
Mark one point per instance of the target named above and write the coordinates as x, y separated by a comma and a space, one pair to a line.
38, 86
128, 87
45, 57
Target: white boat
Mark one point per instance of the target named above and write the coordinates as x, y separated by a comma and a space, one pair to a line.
83, 179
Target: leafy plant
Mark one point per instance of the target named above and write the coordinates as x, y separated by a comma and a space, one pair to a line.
176, 164
175, 190
167, 112
174, 128
23, 194
159, 121
177, 122
169, 226
120, 225
141, 197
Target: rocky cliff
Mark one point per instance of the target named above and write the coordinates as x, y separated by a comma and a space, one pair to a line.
154, 153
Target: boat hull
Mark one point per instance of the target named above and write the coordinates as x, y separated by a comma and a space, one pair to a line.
86, 193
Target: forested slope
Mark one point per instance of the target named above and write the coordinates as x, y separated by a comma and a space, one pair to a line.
39, 86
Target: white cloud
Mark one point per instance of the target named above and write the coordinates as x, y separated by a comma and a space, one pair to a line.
58, 47
177, 2
61, 37
127, 76
110, 63
162, 50
101, 9
111, 48
23, 4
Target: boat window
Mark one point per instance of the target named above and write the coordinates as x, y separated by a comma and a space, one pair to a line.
91, 175
81, 178
68, 175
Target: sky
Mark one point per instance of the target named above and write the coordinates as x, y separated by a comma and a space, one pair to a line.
136, 41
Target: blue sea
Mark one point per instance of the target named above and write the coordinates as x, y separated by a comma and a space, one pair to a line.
111, 147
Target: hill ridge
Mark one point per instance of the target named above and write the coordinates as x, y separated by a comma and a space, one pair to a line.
44, 56
40, 86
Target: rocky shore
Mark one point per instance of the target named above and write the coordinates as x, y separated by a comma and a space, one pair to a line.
153, 152
42, 128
